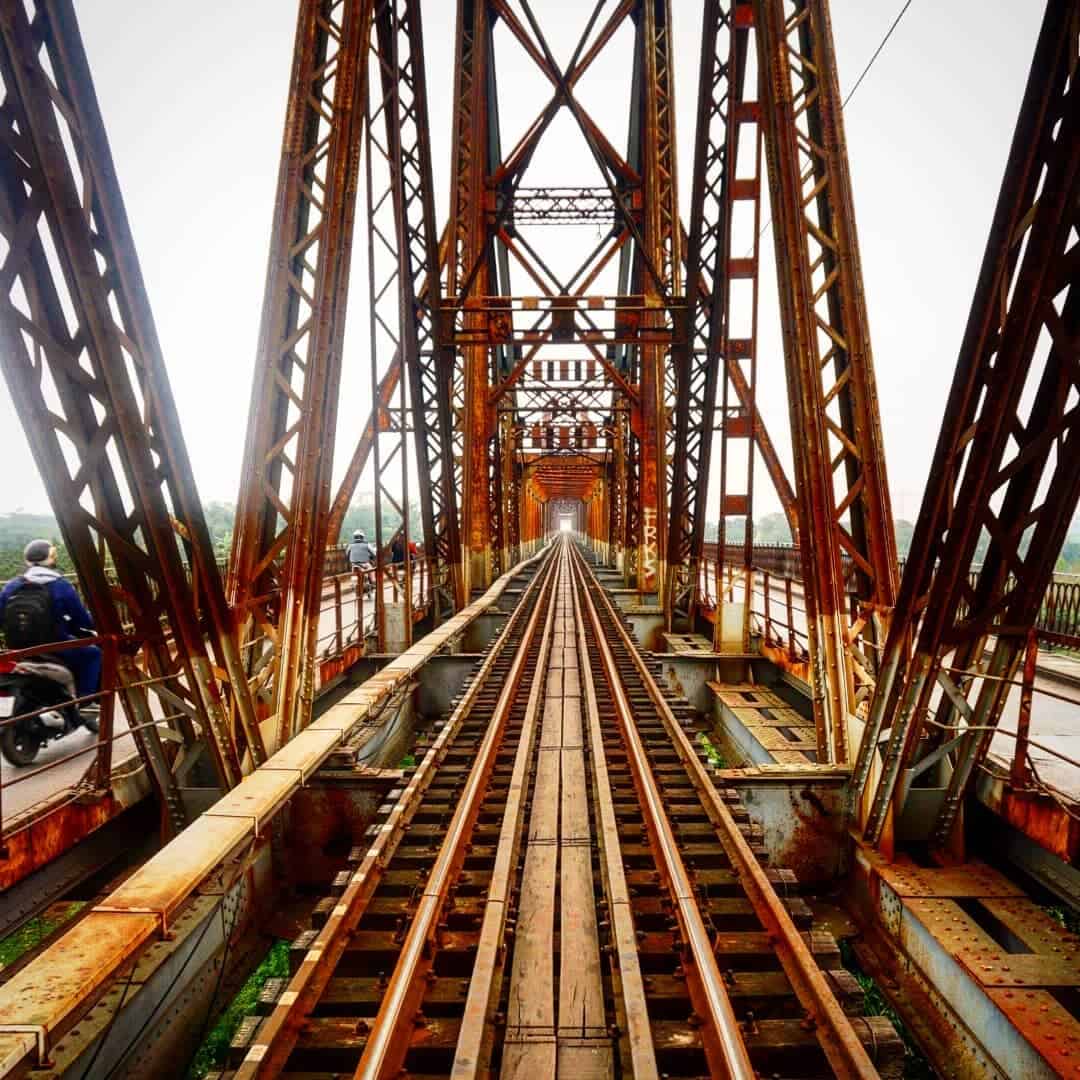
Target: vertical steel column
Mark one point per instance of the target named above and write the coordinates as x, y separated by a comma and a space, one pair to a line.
738, 410
617, 486
698, 363
80, 352
661, 259
843, 491
508, 492
429, 362
405, 300
276, 572
469, 266
1007, 463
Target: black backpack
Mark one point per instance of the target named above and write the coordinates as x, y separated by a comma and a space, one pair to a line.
28, 617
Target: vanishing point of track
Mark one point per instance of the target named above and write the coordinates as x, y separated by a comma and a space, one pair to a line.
560, 888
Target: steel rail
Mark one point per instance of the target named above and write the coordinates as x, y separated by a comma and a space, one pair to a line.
268, 1055
635, 1011
468, 1058
728, 1056
384, 1053
839, 1042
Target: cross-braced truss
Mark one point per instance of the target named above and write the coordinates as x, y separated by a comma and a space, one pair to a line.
522, 369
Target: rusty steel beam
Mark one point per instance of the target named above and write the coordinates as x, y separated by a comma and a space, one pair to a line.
275, 575
429, 363
842, 487
1007, 463
657, 270
739, 345
96, 403
782, 484
470, 272
387, 388
712, 350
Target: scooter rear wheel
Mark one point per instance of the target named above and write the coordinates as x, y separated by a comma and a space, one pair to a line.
20, 744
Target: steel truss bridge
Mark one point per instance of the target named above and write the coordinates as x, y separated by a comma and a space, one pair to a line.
551, 803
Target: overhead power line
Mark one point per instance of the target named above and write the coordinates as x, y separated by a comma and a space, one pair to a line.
858, 82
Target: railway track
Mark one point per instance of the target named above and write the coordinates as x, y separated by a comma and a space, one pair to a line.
560, 889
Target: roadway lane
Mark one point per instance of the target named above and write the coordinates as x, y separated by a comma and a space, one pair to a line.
31, 787
1054, 722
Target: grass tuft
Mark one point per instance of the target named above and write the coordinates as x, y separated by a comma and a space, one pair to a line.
212, 1054
874, 1003
712, 755
1065, 916
36, 930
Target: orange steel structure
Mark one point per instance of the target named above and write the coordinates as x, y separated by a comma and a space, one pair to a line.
571, 351
524, 362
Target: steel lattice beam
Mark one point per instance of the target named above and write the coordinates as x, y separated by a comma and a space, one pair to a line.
470, 272
415, 303
658, 270
283, 513
722, 111
842, 487
1007, 462
96, 402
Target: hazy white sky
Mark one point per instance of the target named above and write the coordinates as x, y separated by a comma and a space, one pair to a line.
193, 97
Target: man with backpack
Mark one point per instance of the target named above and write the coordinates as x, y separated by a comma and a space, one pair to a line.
361, 556
41, 607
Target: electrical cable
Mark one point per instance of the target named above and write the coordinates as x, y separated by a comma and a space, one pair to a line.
153, 1012
851, 93
877, 53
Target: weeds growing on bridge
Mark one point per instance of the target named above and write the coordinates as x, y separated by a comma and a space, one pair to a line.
874, 1003
215, 1048
33, 932
712, 755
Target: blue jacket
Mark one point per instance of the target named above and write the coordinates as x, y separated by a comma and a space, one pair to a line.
70, 616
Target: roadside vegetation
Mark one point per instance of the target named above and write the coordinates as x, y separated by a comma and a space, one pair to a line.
215, 1048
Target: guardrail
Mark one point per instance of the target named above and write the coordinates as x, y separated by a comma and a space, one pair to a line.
348, 630
778, 618
1058, 622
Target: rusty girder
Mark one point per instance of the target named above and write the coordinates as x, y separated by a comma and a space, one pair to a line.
470, 273
406, 304
718, 187
843, 492
81, 355
276, 572
1007, 463
658, 271
387, 390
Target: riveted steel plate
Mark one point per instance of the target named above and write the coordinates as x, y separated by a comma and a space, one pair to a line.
1045, 1023
973, 879
1034, 927
1023, 969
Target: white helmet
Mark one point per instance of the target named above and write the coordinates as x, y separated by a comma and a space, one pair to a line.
358, 535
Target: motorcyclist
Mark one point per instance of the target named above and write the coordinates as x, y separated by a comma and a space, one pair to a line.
41, 607
361, 558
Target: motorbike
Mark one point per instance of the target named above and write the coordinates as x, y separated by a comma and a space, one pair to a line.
39, 695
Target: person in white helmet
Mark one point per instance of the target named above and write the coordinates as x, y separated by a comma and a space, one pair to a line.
361, 558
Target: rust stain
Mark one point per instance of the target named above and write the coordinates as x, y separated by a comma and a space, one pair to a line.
1042, 820
815, 837
782, 659
50, 835
338, 665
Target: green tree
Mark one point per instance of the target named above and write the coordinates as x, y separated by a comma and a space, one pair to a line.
904, 532
772, 529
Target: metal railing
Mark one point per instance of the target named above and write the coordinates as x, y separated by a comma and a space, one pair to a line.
347, 631
778, 619
1059, 617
